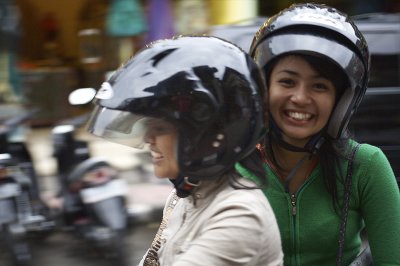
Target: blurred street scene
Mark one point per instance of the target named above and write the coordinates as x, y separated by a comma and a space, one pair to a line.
146, 196
50, 48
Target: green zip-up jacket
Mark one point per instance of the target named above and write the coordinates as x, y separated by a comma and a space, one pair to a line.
309, 224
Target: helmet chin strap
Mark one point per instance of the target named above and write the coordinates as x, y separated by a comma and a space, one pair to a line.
312, 147
184, 185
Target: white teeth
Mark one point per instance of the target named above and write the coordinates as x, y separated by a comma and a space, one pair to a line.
299, 116
155, 155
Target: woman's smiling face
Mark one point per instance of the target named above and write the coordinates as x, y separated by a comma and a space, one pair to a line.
300, 99
162, 138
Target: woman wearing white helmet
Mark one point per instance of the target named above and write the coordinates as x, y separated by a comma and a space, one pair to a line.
316, 65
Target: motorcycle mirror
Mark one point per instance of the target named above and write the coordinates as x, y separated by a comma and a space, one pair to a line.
81, 96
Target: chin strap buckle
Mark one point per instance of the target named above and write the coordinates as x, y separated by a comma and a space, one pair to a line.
317, 145
185, 185
189, 185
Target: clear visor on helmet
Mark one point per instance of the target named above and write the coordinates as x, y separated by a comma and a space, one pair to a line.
126, 128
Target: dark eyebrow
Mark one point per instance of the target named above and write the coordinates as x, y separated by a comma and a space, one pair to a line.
290, 72
294, 73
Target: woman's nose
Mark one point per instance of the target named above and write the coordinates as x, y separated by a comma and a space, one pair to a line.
149, 138
301, 95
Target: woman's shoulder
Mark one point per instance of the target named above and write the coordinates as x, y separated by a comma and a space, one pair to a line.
370, 161
245, 194
366, 151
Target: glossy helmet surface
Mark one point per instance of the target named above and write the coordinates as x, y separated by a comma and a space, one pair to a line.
207, 87
324, 32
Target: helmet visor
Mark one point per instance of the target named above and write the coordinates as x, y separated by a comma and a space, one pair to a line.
124, 127
340, 54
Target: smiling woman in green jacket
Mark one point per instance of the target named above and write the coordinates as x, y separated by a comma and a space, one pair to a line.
316, 65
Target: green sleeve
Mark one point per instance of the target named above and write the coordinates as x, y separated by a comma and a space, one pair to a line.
380, 205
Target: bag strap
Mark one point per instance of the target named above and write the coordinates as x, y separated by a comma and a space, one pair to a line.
345, 208
151, 258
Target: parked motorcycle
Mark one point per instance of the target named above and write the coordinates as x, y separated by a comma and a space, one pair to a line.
93, 195
21, 210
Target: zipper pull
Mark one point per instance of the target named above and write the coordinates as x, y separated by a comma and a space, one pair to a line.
293, 201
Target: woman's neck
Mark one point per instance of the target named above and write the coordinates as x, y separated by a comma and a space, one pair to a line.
287, 161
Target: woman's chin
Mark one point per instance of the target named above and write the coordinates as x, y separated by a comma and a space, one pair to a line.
164, 174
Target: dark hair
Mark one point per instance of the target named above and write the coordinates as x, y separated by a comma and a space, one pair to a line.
333, 151
254, 163
331, 154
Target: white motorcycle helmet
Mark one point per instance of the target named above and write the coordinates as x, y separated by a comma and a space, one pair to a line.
323, 32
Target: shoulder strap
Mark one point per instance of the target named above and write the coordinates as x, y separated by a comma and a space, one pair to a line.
345, 208
151, 258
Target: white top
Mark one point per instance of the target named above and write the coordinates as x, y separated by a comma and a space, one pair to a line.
221, 226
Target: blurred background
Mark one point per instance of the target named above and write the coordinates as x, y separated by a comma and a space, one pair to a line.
48, 48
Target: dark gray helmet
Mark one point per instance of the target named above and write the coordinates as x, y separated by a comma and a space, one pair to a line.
324, 32
209, 88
